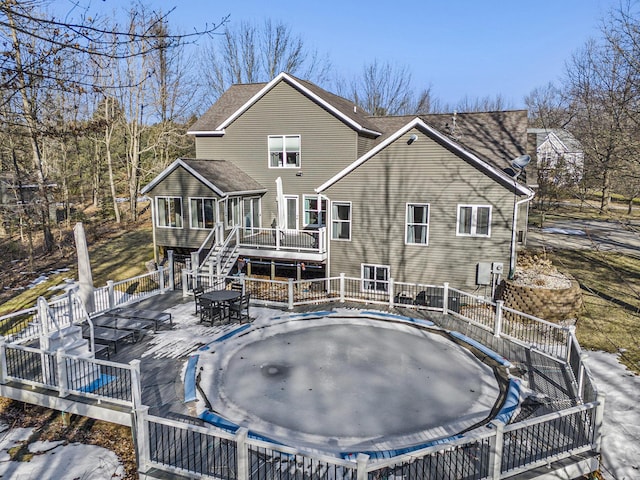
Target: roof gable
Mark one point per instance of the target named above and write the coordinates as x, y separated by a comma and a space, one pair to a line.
418, 123
239, 98
222, 177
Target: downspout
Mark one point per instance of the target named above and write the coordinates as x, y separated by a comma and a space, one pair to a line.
516, 205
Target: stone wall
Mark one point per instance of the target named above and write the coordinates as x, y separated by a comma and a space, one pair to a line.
554, 305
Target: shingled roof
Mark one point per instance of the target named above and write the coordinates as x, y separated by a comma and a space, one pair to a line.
239, 96
223, 177
495, 137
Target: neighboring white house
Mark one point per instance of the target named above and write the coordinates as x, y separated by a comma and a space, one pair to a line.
560, 158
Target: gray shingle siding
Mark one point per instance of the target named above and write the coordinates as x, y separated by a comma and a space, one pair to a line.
423, 172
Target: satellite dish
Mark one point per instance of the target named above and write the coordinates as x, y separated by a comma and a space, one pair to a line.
520, 162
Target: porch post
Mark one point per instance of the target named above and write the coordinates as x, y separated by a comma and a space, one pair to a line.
185, 283
3, 361
597, 428
290, 285
497, 324
242, 453
70, 306
161, 278
362, 461
391, 288
172, 270
496, 449
110, 294
445, 299
571, 332
342, 287
61, 364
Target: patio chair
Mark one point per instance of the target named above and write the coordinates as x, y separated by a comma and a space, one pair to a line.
197, 293
211, 312
239, 309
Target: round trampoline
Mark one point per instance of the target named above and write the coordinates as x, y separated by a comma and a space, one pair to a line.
347, 383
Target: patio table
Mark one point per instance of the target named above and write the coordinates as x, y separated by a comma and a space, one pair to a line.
138, 326
108, 336
142, 314
222, 297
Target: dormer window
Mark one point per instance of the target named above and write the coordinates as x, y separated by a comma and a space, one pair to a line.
284, 151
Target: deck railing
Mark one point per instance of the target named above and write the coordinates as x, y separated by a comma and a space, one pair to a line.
68, 374
312, 241
208, 452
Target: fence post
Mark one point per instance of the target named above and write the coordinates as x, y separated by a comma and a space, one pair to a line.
597, 425
342, 282
62, 380
581, 377
3, 361
571, 332
70, 305
495, 455
185, 283
290, 290
242, 453
141, 437
161, 278
172, 270
136, 386
362, 461
445, 298
391, 288
497, 325
111, 294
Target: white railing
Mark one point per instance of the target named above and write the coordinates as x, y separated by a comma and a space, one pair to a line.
178, 447
310, 241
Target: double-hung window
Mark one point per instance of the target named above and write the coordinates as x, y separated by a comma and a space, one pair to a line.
375, 278
203, 213
474, 220
417, 226
315, 211
341, 220
169, 212
284, 151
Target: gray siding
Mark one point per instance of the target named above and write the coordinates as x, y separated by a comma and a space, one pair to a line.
423, 172
327, 145
181, 183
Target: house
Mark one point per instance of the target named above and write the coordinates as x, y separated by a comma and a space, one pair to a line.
559, 156
297, 181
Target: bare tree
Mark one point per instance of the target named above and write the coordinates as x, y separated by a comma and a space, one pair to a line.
601, 93
257, 53
548, 107
385, 89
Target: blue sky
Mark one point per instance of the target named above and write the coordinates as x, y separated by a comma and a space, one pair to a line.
473, 48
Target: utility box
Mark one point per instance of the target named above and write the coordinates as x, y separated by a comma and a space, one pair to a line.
497, 268
483, 273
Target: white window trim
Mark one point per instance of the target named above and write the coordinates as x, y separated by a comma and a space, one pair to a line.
238, 221
297, 199
243, 213
284, 163
158, 211
342, 221
406, 223
319, 198
363, 280
474, 220
215, 209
